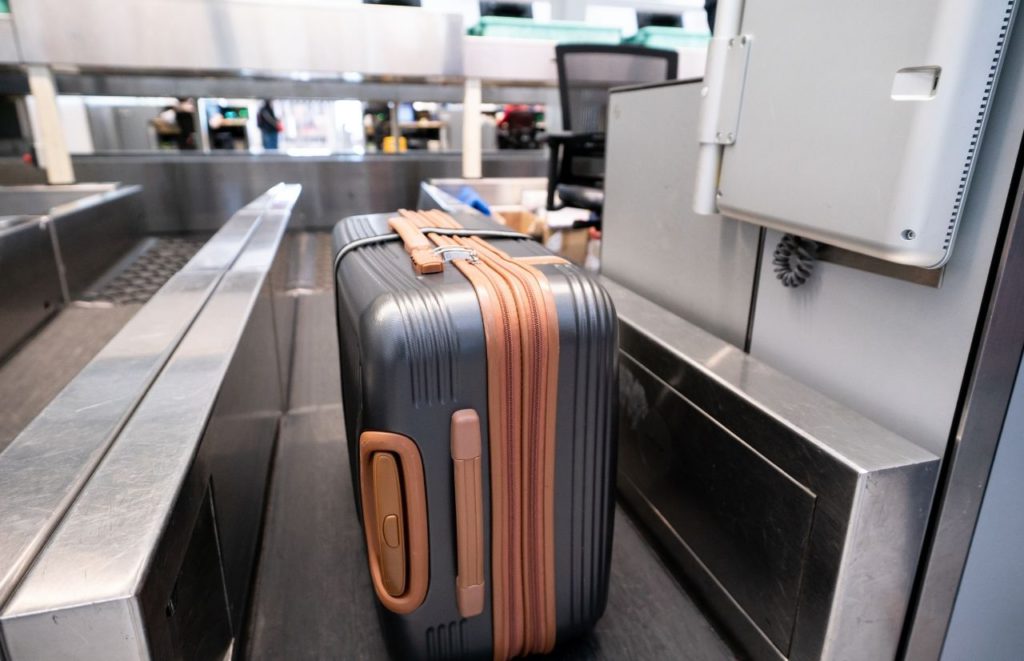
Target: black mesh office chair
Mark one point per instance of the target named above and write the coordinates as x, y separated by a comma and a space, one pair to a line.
585, 74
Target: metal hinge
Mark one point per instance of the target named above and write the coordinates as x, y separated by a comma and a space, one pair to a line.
723, 89
725, 75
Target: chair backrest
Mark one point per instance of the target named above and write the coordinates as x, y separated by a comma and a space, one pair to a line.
587, 71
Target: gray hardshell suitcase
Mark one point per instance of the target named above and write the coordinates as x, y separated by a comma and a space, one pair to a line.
479, 388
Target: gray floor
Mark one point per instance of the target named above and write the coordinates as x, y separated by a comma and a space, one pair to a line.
313, 598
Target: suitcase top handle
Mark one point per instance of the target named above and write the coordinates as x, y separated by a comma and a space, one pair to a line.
419, 247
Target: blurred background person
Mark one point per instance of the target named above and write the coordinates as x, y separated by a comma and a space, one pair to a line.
269, 125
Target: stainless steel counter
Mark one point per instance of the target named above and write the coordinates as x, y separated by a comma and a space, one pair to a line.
196, 192
54, 241
47, 473
799, 520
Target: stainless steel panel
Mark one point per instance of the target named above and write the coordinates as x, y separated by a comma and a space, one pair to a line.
197, 192
986, 417
197, 608
235, 35
871, 490
39, 200
45, 467
986, 619
31, 290
122, 127
91, 234
717, 493
701, 268
893, 350
208, 422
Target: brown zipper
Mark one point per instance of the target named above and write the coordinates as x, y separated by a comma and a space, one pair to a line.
521, 329
538, 474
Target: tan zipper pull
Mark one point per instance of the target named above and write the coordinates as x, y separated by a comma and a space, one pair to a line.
419, 247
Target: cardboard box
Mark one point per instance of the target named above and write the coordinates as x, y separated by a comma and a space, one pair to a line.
521, 220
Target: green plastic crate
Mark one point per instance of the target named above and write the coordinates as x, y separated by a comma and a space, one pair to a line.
656, 36
560, 31
5, 7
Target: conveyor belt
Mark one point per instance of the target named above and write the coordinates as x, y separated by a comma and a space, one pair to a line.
138, 278
313, 598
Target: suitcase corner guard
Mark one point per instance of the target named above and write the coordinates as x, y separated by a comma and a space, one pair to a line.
394, 505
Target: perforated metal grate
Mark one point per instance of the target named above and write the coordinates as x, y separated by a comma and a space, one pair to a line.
148, 272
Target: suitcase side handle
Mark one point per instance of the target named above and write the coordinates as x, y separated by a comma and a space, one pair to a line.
469, 517
419, 247
394, 503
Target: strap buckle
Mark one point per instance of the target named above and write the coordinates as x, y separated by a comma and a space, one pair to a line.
448, 253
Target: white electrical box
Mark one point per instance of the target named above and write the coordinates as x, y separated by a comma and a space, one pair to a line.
855, 123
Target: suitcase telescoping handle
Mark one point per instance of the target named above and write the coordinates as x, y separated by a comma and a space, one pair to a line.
469, 517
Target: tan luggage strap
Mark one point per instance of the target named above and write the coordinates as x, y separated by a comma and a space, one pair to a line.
443, 231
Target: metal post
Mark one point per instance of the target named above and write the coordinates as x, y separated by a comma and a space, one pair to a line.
55, 156
472, 157
395, 125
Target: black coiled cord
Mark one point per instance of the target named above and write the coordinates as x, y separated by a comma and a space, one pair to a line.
794, 260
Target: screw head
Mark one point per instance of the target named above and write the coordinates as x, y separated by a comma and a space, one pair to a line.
909, 235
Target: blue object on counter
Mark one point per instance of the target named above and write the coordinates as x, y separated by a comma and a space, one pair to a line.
468, 196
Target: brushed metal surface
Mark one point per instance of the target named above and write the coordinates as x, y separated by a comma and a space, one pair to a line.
210, 417
31, 290
990, 385
701, 268
985, 623
38, 200
94, 232
235, 35
54, 355
196, 192
871, 487
45, 467
747, 520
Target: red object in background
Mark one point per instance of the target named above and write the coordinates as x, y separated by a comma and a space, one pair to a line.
517, 113
28, 159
